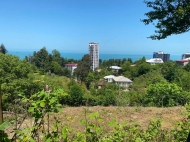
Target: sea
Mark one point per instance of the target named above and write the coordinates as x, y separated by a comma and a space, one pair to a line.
102, 56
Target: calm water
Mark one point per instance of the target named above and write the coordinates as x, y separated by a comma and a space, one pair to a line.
78, 56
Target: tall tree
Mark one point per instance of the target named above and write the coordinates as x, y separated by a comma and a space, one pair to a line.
56, 56
89, 79
126, 66
170, 71
3, 49
40, 58
168, 16
11, 70
83, 67
55, 67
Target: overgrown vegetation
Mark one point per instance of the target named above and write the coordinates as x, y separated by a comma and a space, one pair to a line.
148, 81
161, 85
42, 104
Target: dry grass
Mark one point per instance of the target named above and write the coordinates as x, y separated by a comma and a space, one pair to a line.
141, 115
73, 115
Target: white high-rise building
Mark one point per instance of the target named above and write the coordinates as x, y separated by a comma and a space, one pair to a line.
94, 54
186, 55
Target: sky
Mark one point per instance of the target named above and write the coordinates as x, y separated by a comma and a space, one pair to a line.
69, 26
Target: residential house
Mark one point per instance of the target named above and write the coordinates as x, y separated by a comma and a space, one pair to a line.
122, 81
154, 61
71, 67
182, 62
109, 78
186, 55
115, 68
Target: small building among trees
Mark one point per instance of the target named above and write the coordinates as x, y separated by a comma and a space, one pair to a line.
120, 80
71, 67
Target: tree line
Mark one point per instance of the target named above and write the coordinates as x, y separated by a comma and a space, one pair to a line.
159, 85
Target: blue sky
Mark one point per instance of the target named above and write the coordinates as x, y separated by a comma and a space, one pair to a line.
69, 25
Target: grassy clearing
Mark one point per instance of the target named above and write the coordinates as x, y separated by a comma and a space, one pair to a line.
54, 81
72, 116
142, 115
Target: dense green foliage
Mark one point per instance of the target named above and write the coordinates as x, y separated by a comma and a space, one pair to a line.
168, 16
83, 67
166, 94
76, 94
14, 80
161, 85
143, 75
50, 63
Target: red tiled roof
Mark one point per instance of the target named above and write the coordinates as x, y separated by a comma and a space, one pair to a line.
182, 60
73, 64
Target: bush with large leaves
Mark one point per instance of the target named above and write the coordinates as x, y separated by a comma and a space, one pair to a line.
166, 95
16, 78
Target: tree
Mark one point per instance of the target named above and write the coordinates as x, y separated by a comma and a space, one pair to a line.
126, 66
89, 79
100, 62
187, 67
3, 49
66, 72
56, 56
83, 67
170, 71
140, 83
130, 60
55, 67
166, 94
107, 95
140, 61
13, 71
144, 68
171, 17
76, 94
40, 58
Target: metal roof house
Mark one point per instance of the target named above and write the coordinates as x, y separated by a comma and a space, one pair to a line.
122, 81
109, 78
71, 67
115, 68
154, 61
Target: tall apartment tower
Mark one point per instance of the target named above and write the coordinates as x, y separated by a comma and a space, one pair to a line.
94, 54
162, 55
